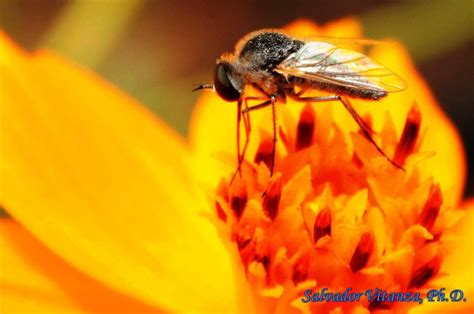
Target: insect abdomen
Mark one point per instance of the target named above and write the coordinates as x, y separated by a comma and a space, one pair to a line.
344, 90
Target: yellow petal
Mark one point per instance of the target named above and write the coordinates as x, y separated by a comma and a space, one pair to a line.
106, 186
212, 130
34, 280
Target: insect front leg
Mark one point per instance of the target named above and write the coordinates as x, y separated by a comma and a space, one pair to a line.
239, 162
244, 114
273, 100
248, 126
357, 118
264, 104
256, 107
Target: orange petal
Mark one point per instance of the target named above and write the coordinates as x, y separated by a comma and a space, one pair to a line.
106, 186
348, 27
460, 246
34, 280
457, 270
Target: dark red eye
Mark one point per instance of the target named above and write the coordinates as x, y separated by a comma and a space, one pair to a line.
223, 85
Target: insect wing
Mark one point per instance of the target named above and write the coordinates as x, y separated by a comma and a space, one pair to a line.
326, 63
356, 44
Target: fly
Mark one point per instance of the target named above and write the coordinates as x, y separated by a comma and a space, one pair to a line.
280, 66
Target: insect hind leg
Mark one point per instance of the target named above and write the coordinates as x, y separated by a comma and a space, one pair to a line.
367, 132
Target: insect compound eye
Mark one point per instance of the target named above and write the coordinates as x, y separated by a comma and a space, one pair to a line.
223, 85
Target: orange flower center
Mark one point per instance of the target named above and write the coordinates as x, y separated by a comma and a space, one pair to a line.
335, 214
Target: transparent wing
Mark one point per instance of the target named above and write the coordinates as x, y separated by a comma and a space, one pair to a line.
348, 43
326, 63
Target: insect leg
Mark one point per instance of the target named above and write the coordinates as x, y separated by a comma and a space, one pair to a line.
366, 131
273, 100
239, 159
360, 122
353, 113
247, 124
246, 99
356, 116
245, 112
248, 128
259, 106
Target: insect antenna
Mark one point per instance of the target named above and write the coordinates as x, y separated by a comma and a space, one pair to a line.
203, 86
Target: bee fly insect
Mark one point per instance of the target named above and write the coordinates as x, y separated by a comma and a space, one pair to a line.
279, 65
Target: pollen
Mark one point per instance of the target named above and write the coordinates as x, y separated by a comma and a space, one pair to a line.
271, 200
425, 273
264, 152
322, 224
305, 128
362, 252
409, 136
238, 199
431, 209
335, 213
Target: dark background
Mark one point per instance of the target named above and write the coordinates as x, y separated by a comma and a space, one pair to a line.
155, 50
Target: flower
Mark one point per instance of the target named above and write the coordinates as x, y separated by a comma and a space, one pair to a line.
114, 212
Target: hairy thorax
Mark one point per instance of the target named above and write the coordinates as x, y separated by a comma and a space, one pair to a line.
257, 56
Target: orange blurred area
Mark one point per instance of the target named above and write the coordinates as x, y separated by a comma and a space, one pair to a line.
158, 49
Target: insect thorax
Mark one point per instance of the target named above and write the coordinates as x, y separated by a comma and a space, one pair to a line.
257, 56
265, 50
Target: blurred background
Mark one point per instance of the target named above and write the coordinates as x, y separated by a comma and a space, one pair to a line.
156, 50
